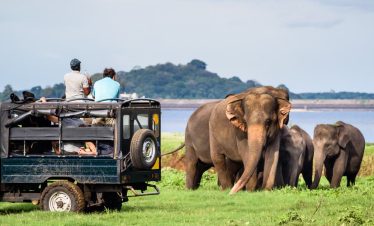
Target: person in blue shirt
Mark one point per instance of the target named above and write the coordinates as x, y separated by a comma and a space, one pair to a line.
107, 87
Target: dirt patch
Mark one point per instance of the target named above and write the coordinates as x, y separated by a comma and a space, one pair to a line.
175, 161
367, 166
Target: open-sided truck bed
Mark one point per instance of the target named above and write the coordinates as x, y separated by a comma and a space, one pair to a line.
32, 171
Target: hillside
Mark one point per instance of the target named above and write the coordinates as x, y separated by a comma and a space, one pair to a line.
189, 81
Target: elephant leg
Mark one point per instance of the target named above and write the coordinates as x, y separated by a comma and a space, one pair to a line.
294, 172
191, 168
260, 179
339, 168
329, 164
234, 169
307, 173
252, 183
351, 179
223, 175
271, 164
279, 179
219, 162
201, 167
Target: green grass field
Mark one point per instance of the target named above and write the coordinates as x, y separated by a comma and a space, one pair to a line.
210, 206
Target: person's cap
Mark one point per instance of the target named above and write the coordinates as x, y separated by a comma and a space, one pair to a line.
75, 62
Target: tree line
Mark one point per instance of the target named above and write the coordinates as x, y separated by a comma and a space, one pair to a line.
184, 81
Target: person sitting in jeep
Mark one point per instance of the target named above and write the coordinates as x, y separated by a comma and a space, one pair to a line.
104, 90
77, 85
71, 147
80, 148
107, 87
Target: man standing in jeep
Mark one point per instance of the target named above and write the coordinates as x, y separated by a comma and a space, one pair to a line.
77, 85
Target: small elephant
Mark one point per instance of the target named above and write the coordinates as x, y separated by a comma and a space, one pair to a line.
340, 148
295, 156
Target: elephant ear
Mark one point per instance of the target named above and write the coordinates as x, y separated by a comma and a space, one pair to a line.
343, 136
283, 112
235, 112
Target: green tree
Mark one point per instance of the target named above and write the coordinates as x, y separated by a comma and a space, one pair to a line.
198, 64
5, 95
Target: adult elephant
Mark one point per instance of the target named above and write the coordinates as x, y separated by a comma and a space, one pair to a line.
296, 156
340, 148
242, 128
197, 157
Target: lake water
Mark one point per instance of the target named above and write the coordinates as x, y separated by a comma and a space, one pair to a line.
175, 120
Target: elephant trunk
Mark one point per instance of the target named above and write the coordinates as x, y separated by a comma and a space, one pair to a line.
256, 142
318, 168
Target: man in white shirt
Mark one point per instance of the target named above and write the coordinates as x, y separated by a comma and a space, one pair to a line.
77, 85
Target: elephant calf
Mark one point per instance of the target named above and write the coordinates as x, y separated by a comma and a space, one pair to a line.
295, 156
340, 148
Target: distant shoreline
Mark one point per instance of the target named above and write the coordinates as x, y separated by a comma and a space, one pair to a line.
297, 105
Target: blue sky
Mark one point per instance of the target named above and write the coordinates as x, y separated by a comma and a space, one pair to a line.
308, 45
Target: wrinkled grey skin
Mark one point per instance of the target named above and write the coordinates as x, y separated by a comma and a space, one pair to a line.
296, 156
197, 159
340, 149
245, 127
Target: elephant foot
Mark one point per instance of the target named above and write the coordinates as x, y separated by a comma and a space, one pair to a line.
237, 187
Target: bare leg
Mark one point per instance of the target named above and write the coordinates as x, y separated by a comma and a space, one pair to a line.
55, 147
91, 146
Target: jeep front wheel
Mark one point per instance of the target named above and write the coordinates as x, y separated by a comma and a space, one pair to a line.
62, 196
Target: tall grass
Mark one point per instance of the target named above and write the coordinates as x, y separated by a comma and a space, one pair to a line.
210, 206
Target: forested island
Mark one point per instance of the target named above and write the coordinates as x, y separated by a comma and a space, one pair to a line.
183, 81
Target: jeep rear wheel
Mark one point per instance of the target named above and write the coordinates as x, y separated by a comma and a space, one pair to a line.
143, 149
62, 196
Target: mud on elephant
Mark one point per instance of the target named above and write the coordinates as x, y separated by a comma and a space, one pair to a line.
340, 148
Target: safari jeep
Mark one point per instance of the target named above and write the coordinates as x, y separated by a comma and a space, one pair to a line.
127, 158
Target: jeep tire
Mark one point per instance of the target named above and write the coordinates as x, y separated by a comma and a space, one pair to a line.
62, 196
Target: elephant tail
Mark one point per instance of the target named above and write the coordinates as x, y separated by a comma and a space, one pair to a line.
175, 150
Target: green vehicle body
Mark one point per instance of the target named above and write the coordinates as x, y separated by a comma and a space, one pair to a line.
26, 173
